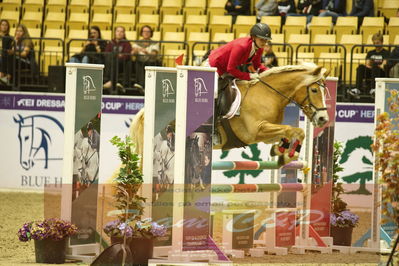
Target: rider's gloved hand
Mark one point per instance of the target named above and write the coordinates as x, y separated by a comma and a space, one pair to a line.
254, 75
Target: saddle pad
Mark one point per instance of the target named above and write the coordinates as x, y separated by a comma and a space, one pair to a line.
236, 103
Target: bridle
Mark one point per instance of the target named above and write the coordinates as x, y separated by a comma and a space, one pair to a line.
301, 105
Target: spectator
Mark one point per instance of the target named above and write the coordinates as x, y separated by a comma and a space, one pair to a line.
269, 59
21, 52
117, 59
376, 61
308, 8
92, 52
286, 7
236, 8
146, 52
266, 8
361, 9
5, 43
333, 8
393, 63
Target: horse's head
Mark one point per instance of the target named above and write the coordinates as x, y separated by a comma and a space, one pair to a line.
25, 136
310, 94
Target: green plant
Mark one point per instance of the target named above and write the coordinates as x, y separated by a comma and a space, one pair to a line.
386, 150
128, 181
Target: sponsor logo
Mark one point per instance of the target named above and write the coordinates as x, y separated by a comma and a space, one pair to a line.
88, 87
35, 141
199, 90
199, 87
167, 91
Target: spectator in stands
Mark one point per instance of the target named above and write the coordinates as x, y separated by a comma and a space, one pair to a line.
393, 63
286, 7
361, 9
266, 8
237, 7
308, 8
5, 43
269, 59
376, 61
146, 52
117, 59
92, 52
21, 51
333, 8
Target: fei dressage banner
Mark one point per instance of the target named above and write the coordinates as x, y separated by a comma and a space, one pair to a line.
28, 166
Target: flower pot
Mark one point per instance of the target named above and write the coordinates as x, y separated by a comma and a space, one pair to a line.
119, 239
342, 236
142, 250
50, 251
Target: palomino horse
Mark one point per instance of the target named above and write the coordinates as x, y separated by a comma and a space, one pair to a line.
262, 109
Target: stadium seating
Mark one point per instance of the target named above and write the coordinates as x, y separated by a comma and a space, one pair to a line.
294, 25
219, 24
195, 23
172, 23
345, 25
319, 25
243, 25
274, 23
370, 26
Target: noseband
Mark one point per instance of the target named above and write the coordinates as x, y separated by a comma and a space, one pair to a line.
301, 105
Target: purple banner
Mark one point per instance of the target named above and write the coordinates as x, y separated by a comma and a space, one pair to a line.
355, 113
32, 102
55, 103
122, 105
199, 98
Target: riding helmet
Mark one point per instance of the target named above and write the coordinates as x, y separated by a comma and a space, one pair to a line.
261, 30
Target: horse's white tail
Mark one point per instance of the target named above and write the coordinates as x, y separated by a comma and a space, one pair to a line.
137, 134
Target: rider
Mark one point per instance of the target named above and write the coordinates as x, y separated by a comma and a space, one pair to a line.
93, 137
240, 59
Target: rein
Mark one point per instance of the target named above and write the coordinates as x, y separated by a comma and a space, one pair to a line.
300, 105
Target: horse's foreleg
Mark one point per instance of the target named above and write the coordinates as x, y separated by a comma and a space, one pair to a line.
268, 132
279, 149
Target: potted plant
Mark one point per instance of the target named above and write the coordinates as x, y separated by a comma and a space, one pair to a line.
117, 229
342, 220
142, 242
50, 236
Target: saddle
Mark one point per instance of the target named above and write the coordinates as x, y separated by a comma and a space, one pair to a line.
226, 106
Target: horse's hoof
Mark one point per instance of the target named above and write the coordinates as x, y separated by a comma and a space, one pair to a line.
275, 150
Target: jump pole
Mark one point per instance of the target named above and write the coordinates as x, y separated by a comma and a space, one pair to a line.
256, 165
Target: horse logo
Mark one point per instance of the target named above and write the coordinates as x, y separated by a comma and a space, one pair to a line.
34, 137
88, 85
199, 87
167, 88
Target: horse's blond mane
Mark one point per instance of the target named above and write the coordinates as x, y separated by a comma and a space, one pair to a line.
290, 68
308, 67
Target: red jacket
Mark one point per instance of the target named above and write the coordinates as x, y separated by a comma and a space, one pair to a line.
228, 57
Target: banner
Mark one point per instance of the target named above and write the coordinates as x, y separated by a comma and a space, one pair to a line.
32, 137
